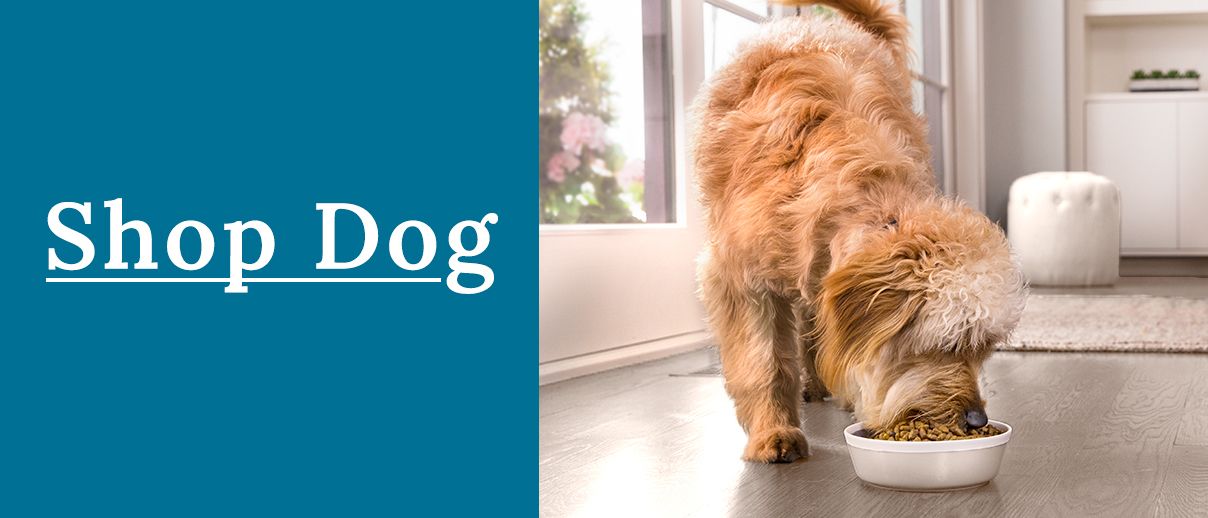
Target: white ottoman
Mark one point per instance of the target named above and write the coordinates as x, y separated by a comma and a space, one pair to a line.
1065, 228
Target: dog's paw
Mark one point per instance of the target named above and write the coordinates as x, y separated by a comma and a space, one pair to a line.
776, 445
814, 392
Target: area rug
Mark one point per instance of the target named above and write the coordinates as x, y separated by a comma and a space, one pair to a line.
1112, 323
1107, 323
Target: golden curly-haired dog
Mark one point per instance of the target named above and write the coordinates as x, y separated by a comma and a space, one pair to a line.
832, 262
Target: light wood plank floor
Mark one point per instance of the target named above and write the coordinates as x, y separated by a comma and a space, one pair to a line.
1114, 434
1120, 434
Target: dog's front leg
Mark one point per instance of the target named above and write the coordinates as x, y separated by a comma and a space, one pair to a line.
758, 346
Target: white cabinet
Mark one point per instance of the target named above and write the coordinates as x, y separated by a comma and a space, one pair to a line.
1193, 175
1134, 145
1155, 147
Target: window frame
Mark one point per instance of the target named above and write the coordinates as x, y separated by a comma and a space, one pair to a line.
739, 10
935, 75
662, 144
681, 39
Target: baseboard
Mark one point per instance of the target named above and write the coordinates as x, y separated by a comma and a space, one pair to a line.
559, 370
1164, 266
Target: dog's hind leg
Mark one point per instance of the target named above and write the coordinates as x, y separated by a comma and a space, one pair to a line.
812, 387
758, 346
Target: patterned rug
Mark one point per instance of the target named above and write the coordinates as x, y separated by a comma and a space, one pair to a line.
1112, 323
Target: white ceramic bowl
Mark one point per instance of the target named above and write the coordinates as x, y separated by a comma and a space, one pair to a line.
927, 465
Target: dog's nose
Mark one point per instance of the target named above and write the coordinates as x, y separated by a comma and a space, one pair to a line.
975, 417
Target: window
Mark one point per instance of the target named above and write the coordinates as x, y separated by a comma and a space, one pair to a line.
604, 112
605, 105
928, 22
728, 22
726, 26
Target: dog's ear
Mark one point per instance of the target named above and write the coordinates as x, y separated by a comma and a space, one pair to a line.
974, 290
967, 292
862, 305
968, 308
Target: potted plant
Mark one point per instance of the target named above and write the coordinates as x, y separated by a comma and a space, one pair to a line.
1169, 81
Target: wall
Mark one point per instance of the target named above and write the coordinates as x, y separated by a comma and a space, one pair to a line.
1116, 48
1024, 67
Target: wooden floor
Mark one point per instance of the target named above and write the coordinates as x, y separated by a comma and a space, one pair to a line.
1117, 434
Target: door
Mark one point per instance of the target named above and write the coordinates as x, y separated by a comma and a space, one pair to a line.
620, 227
1134, 144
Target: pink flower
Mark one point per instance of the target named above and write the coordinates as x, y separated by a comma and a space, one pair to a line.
580, 130
559, 165
599, 167
633, 173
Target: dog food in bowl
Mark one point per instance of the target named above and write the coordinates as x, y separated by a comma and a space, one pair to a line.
927, 465
927, 431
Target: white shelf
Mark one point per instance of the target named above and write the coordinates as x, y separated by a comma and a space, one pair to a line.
1146, 96
1114, 8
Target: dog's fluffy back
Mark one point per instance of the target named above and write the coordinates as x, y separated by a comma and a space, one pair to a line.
809, 114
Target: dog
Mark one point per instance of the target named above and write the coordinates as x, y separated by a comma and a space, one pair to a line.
833, 264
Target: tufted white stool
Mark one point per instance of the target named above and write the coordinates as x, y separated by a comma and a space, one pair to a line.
1065, 228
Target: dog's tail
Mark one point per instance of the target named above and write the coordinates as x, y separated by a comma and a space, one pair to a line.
883, 20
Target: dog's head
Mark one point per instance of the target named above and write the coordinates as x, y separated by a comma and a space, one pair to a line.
913, 304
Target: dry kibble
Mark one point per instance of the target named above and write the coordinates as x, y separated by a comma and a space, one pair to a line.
925, 431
